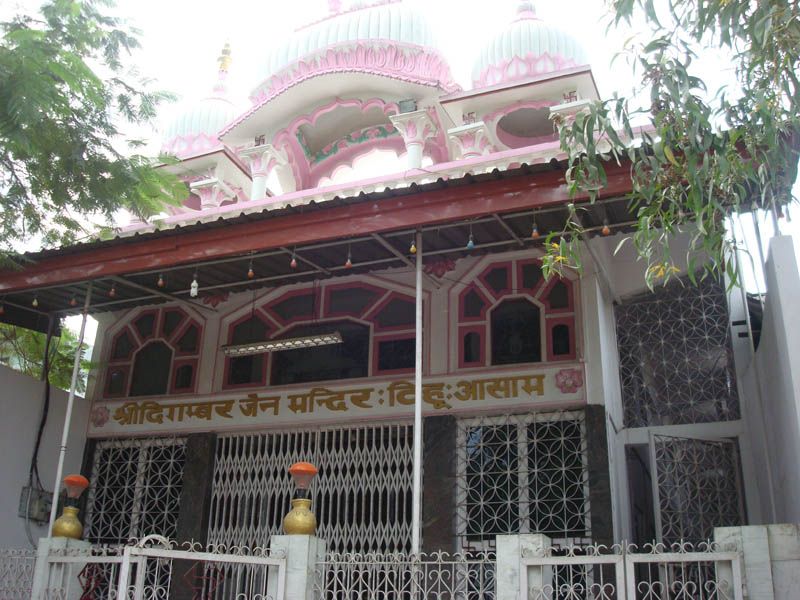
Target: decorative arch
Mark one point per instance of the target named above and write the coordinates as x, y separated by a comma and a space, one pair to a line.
382, 310
500, 284
169, 328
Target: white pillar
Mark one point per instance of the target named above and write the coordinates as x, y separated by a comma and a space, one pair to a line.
65, 582
509, 578
263, 159
302, 553
754, 544
76, 364
259, 188
415, 127
416, 511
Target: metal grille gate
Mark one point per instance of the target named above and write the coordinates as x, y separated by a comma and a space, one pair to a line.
136, 489
362, 496
696, 487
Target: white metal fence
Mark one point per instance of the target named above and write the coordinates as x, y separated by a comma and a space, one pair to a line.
16, 573
438, 575
156, 569
680, 571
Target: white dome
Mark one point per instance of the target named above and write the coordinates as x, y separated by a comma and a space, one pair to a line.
526, 48
196, 126
207, 116
385, 39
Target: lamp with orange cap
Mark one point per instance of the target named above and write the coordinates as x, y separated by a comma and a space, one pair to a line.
68, 525
300, 520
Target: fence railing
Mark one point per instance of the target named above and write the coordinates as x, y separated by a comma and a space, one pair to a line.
157, 568
679, 571
406, 577
16, 573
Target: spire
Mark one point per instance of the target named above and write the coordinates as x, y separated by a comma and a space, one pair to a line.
224, 62
525, 10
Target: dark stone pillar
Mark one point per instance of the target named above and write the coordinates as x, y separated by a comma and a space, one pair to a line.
600, 504
439, 484
195, 505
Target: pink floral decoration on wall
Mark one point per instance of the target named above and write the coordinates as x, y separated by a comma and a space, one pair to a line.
569, 381
99, 416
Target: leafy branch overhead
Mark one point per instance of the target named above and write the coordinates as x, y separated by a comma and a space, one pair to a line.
64, 96
23, 350
702, 156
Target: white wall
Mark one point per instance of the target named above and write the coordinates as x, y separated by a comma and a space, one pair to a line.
773, 419
21, 400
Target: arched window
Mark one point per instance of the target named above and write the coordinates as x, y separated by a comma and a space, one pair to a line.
155, 354
516, 333
509, 314
151, 369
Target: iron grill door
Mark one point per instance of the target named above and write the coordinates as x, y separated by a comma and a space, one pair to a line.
696, 487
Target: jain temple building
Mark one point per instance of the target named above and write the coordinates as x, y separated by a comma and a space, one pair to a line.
355, 282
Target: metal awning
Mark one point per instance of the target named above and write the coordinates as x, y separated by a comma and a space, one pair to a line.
372, 249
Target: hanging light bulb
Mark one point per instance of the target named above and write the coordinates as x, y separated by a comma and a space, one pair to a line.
112, 293
194, 288
160, 281
413, 248
349, 262
471, 241
73, 301
250, 272
293, 264
534, 232
35, 302
606, 230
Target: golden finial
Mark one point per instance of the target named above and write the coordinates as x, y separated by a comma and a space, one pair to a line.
224, 59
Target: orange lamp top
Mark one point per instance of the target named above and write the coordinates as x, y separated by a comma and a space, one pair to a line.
303, 473
75, 485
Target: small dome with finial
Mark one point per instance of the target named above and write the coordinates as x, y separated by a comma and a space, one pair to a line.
195, 128
526, 48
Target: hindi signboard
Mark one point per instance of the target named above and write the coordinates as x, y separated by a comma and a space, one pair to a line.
547, 386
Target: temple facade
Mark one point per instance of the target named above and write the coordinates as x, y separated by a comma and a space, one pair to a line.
273, 317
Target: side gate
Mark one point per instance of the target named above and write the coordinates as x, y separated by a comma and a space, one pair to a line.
625, 572
157, 568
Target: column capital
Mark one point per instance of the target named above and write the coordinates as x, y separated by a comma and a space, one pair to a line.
415, 127
470, 140
262, 158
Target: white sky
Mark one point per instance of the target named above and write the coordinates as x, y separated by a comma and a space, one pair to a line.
181, 41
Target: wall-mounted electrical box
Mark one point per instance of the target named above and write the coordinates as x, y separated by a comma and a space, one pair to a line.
36, 504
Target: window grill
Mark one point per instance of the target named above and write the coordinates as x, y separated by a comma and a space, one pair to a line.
675, 357
525, 473
361, 497
135, 489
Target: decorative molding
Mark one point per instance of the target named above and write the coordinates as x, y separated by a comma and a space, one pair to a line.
440, 267
213, 192
522, 67
395, 60
183, 146
471, 140
415, 127
262, 159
